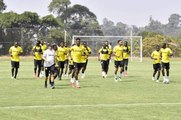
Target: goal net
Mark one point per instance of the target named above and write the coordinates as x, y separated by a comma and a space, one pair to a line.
96, 42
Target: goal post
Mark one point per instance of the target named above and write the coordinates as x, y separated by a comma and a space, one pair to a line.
134, 41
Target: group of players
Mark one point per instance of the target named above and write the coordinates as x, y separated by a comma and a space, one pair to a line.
161, 62
56, 59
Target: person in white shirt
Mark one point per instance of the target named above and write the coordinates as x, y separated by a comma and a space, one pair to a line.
49, 64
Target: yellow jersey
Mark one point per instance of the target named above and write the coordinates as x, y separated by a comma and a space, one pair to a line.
43, 47
15, 52
86, 54
165, 54
118, 52
156, 55
37, 52
67, 51
77, 52
104, 53
62, 53
126, 51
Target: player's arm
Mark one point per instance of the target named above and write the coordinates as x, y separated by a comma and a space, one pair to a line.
10, 51
45, 57
114, 52
152, 56
20, 51
171, 53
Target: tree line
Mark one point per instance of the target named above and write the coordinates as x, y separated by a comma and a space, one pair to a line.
79, 20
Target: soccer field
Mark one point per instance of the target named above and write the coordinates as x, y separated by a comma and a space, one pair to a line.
137, 97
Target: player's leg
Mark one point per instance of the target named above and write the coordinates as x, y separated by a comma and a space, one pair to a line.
107, 62
12, 69
39, 67
77, 70
103, 65
72, 80
125, 70
16, 69
42, 73
66, 67
121, 65
47, 70
154, 72
52, 71
56, 73
116, 65
106, 67
84, 68
35, 68
167, 67
71, 68
163, 72
61, 67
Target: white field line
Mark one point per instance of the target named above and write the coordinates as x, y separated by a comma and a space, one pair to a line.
91, 105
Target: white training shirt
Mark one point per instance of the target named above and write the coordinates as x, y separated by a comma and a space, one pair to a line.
49, 56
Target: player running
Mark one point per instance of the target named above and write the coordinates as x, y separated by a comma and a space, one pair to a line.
77, 51
43, 47
166, 53
155, 56
85, 59
49, 63
37, 52
126, 52
62, 53
66, 64
118, 60
108, 45
15, 51
104, 54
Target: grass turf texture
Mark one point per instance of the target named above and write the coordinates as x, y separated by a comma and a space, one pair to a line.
136, 97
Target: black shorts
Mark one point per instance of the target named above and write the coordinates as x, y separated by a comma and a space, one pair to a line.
61, 64
56, 70
78, 65
37, 63
14, 64
49, 70
165, 66
66, 62
118, 64
71, 67
157, 66
125, 62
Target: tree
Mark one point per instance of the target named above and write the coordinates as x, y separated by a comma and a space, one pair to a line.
2, 5
174, 20
60, 7
80, 20
50, 21
29, 19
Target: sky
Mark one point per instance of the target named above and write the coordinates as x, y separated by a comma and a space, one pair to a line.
131, 12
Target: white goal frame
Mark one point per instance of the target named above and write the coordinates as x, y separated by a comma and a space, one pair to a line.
131, 42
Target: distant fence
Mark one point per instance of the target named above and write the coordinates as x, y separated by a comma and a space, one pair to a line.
26, 37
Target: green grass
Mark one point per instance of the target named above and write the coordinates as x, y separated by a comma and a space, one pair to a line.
137, 97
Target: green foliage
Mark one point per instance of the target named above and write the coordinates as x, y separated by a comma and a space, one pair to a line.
55, 36
151, 39
2, 5
59, 6
50, 21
